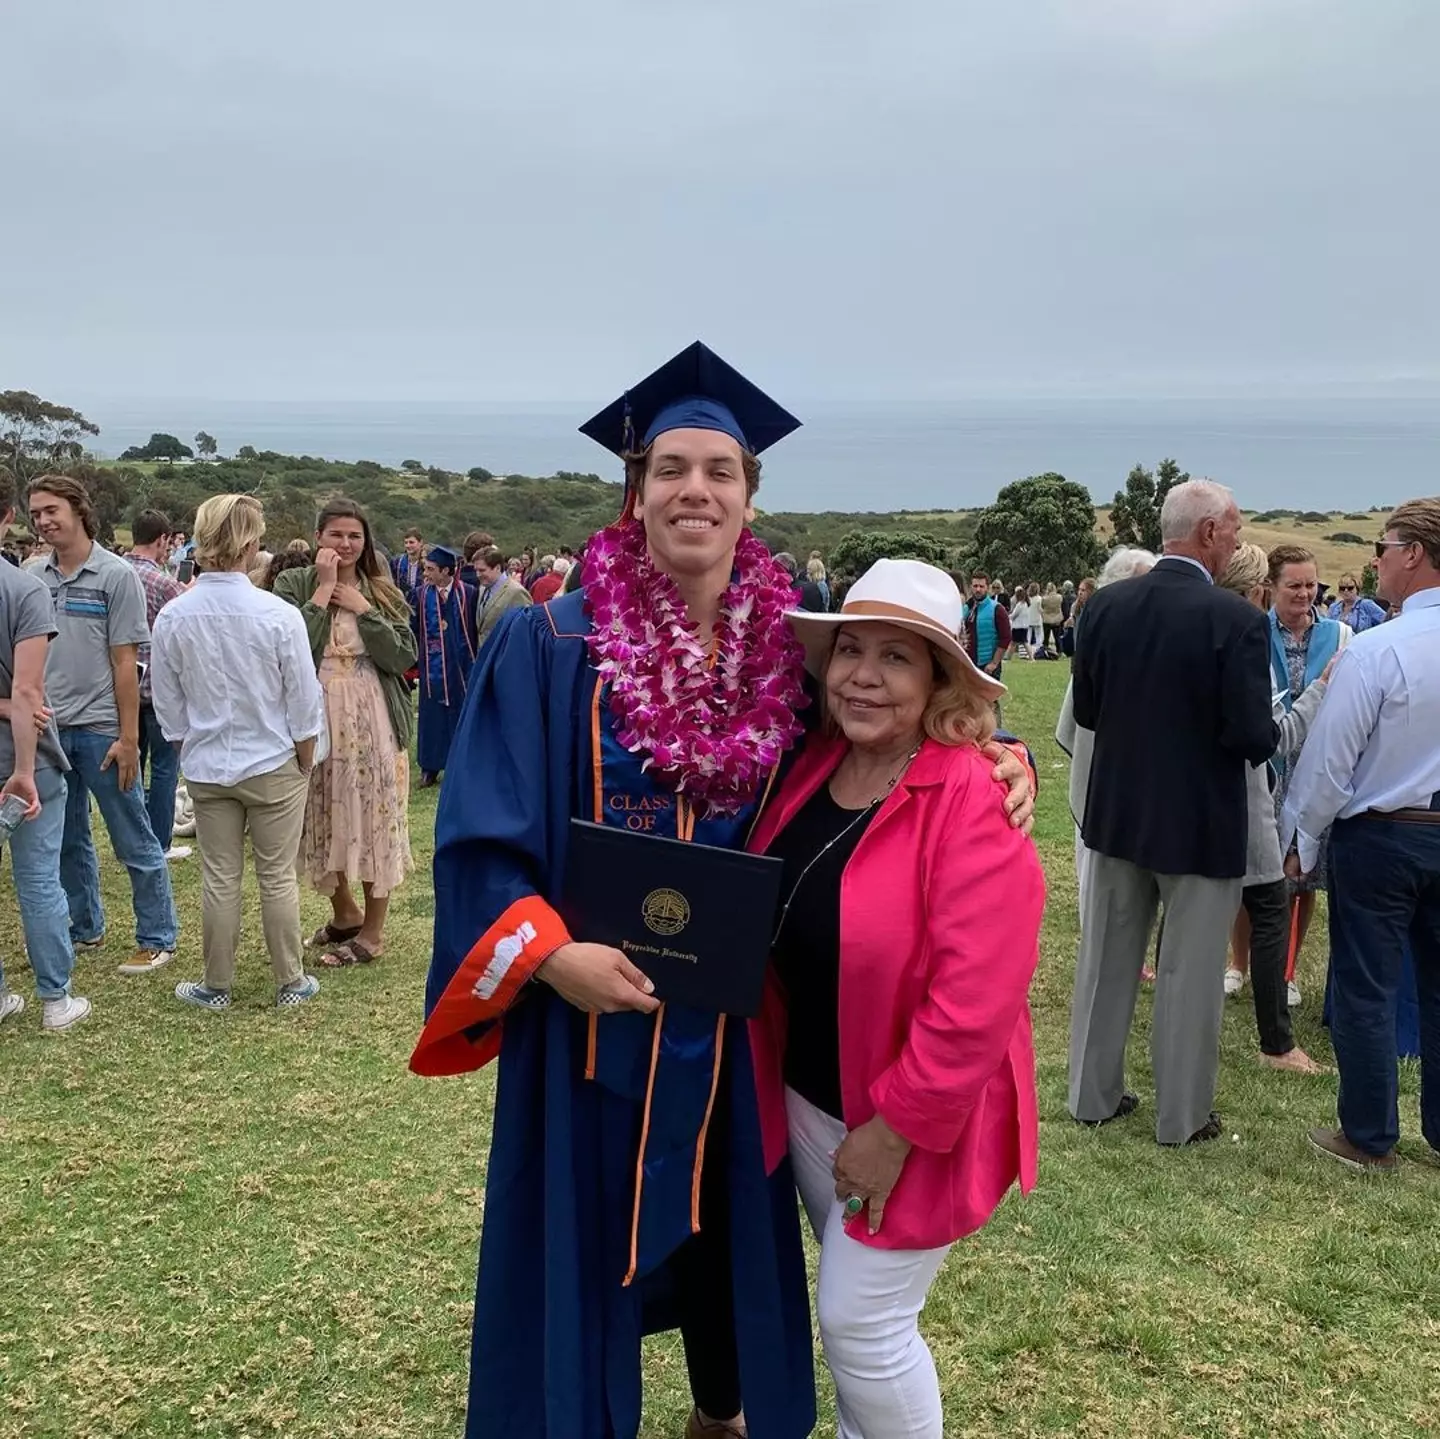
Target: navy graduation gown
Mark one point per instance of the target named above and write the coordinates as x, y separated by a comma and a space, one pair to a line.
445, 635
579, 1227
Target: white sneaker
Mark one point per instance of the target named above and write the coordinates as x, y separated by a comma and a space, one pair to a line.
62, 1013
178, 851
146, 961
1292, 995
1234, 983
11, 1003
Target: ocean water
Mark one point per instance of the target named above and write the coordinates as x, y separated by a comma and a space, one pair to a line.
1343, 454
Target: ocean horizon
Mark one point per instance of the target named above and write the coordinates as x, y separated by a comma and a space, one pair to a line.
1319, 453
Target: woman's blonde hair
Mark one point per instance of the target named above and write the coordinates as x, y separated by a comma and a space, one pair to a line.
225, 527
815, 570
1249, 569
955, 713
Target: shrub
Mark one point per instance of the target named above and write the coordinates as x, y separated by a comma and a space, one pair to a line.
1345, 537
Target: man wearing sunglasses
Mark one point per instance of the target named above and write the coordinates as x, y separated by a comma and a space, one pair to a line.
1371, 764
1354, 609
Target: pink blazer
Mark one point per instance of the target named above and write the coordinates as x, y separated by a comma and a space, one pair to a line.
940, 910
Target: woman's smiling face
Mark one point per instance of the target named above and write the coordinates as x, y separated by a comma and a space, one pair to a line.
878, 682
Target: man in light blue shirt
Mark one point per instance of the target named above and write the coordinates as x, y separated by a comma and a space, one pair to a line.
1371, 764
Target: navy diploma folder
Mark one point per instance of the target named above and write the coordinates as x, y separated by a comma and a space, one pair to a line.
695, 919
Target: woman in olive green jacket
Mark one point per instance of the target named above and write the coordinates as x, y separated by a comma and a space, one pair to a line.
357, 823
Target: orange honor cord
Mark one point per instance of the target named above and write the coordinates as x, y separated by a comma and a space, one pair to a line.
705, 1127
764, 800
597, 758
488, 981
640, 1158
597, 771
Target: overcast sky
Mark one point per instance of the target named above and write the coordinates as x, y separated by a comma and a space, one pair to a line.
460, 200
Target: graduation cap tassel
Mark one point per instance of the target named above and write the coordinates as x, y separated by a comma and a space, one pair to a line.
627, 428
627, 447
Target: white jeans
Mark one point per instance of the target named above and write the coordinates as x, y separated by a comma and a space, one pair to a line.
868, 1301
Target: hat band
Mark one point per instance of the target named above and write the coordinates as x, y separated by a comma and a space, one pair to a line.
884, 610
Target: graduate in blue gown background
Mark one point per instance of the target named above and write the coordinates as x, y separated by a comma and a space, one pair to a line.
445, 624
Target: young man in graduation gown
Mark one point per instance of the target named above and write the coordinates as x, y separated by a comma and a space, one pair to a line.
626, 1190
445, 633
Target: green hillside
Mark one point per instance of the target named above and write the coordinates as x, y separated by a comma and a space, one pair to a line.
518, 510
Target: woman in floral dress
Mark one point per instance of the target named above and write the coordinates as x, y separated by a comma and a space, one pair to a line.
357, 817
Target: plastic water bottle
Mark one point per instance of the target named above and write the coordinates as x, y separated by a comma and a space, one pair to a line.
12, 815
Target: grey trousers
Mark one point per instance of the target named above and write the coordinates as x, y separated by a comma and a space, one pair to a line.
1120, 907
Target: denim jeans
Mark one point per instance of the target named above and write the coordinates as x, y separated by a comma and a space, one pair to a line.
35, 865
163, 759
1384, 886
133, 840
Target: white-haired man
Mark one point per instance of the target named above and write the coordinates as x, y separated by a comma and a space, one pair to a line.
1173, 678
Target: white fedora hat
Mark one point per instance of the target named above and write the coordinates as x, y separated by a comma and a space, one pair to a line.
907, 593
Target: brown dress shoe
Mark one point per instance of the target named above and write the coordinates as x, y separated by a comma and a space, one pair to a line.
1334, 1145
697, 1428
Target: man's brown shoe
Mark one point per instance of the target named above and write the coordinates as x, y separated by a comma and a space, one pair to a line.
698, 1428
1333, 1144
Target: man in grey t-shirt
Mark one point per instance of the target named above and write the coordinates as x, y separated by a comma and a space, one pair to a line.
32, 768
93, 686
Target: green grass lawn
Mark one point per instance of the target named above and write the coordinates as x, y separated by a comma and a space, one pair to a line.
255, 1223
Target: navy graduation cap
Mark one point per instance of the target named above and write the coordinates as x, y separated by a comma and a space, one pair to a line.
696, 390
441, 555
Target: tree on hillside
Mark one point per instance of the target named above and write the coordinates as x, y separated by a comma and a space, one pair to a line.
205, 444
159, 447
859, 549
36, 435
479, 475
412, 467
246, 452
1135, 510
1040, 529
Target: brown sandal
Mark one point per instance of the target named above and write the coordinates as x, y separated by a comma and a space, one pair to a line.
328, 935
342, 956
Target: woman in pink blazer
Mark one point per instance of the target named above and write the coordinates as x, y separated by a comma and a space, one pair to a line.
894, 1051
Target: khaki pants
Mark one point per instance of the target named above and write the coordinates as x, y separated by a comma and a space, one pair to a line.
273, 807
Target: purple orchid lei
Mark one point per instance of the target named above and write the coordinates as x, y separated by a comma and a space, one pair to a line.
712, 732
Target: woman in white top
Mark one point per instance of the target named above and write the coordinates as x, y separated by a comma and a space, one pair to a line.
235, 686
1020, 623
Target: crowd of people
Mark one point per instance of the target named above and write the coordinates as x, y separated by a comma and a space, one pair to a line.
1236, 749
650, 1160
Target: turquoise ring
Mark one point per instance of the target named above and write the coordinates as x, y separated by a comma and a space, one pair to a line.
853, 1206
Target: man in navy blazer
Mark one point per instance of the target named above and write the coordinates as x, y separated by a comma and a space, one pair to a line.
1174, 679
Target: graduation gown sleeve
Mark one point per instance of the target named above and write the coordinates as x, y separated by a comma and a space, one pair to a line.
494, 834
